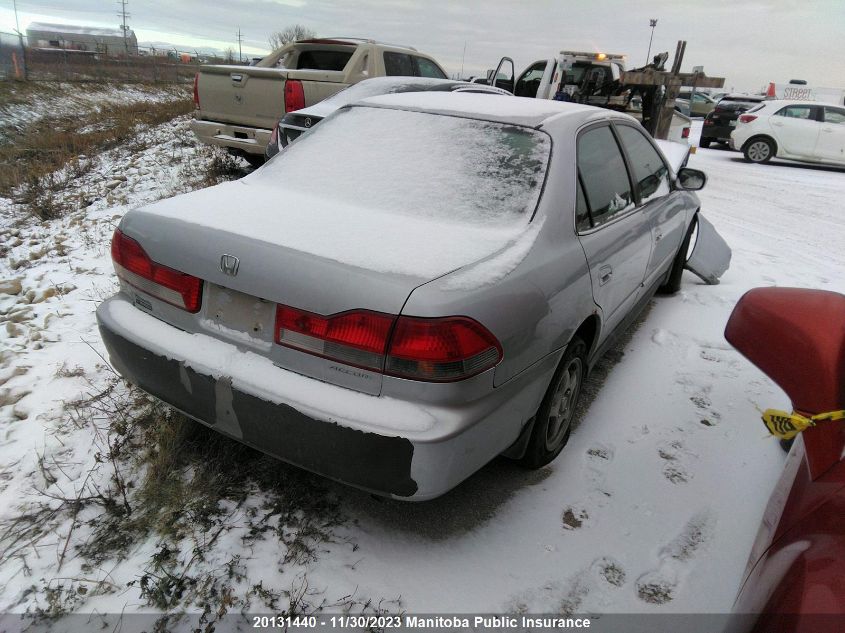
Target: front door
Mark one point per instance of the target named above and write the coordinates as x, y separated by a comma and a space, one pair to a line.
665, 210
831, 145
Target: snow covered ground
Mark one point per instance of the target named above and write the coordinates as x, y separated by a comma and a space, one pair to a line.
652, 507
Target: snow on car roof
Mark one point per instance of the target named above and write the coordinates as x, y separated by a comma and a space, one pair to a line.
519, 110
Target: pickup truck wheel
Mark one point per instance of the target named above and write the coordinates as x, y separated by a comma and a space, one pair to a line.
705, 143
673, 279
553, 422
758, 150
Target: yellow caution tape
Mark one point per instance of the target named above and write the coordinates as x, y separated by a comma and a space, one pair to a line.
785, 425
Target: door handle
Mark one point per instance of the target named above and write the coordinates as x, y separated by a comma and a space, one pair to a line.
605, 273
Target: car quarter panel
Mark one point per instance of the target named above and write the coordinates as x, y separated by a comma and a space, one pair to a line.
532, 306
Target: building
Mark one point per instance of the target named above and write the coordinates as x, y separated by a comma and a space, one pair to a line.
81, 38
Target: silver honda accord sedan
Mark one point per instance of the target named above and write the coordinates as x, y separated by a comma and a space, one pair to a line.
414, 287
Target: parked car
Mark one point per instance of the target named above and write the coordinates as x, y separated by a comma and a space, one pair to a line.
682, 106
795, 130
700, 104
237, 107
395, 314
795, 577
721, 121
295, 123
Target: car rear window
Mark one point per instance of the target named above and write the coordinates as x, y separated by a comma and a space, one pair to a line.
426, 165
323, 60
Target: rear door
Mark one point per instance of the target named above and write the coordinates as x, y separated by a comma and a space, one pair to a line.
665, 211
616, 235
831, 144
797, 128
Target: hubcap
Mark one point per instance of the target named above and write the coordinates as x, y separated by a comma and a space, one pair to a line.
758, 151
563, 403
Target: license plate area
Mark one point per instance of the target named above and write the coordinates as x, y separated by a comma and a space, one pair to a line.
239, 317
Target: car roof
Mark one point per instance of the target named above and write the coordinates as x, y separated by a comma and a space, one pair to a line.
390, 85
516, 110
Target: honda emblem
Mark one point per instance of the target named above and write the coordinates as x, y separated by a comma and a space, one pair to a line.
229, 265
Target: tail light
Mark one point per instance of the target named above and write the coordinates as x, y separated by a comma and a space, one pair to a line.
747, 118
429, 349
441, 350
357, 338
294, 95
196, 91
134, 266
685, 133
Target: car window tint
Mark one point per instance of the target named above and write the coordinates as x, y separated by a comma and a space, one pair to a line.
323, 60
650, 172
398, 65
603, 171
796, 112
834, 115
427, 68
582, 211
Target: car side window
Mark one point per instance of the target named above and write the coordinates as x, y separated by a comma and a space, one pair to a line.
398, 65
582, 210
834, 115
797, 112
650, 172
604, 175
427, 68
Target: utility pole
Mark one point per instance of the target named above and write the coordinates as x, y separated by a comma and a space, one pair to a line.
240, 39
462, 60
652, 24
123, 14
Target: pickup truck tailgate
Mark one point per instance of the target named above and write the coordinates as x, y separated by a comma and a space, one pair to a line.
255, 97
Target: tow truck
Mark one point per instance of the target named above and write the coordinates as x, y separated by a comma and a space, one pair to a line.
601, 79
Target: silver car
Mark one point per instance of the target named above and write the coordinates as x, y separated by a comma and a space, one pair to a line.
418, 285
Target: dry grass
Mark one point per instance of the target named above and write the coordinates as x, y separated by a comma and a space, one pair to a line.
30, 157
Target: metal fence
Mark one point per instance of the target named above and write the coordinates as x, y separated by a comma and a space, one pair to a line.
74, 61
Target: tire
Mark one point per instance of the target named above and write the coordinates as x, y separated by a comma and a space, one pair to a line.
705, 142
553, 422
673, 279
758, 150
255, 160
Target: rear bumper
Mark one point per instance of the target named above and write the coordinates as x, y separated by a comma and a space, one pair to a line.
313, 424
251, 140
717, 132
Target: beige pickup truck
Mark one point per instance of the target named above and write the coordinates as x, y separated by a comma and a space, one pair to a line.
237, 107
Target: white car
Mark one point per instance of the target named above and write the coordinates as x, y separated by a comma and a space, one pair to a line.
796, 130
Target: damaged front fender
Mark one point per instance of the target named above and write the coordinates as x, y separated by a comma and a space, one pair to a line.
709, 255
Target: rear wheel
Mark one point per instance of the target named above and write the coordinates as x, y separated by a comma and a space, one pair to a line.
553, 422
758, 150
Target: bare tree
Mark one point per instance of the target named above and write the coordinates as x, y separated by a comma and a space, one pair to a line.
290, 34
229, 54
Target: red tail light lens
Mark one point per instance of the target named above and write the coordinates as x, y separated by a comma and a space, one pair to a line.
134, 266
446, 349
685, 132
294, 95
357, 337
747, 118
435, 350
196, 91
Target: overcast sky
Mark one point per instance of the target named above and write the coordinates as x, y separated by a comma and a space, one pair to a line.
749, 42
